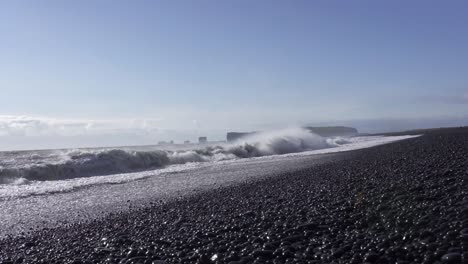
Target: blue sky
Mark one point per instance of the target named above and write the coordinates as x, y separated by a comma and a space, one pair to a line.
177, 69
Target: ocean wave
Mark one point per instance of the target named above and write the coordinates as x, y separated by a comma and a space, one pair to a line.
86, 163
338, 141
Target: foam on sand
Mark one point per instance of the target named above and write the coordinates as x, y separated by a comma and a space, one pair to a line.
98, 162
23, 187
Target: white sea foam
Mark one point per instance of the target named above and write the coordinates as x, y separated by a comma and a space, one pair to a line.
68, 164
187, 161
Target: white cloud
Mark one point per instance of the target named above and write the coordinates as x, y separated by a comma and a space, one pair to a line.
32, 132
43, 126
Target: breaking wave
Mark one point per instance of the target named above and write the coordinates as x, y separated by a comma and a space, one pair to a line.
86, 163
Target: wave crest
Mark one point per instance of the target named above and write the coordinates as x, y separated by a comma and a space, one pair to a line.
86, 163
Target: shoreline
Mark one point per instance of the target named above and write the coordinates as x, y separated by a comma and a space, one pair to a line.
405, 201
88, 202
51, 203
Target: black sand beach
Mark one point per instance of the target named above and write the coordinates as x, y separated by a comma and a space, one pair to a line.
405, 202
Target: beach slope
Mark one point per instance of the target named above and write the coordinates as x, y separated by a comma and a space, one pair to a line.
405, 202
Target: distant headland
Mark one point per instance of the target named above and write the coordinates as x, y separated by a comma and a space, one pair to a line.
326, 131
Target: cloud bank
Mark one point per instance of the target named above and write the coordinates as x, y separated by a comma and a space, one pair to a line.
41, 126
32, 132
29, 132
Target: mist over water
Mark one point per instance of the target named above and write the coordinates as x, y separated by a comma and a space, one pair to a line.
22, 167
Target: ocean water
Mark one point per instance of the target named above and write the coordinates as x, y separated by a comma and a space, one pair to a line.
46, 188
39, 172
52, 165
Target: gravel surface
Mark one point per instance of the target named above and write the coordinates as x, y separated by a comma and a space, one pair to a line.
405, 202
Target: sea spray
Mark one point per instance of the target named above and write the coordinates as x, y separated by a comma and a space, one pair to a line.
97, 162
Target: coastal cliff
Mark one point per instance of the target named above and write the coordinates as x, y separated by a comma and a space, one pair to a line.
328, 131
333, 131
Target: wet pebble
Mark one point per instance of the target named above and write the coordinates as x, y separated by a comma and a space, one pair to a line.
396, 203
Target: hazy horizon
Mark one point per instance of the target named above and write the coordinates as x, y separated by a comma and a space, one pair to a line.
110, 73
58, 137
